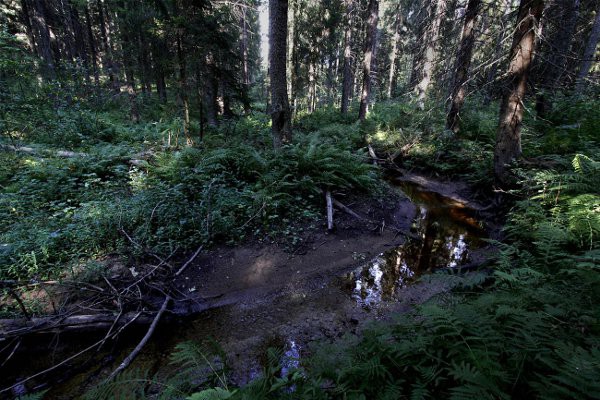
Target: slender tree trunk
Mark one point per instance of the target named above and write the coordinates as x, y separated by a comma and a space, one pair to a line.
561, 43
422, 22
370, 40
211, 90
40, 25
183, 90
430, 54
158, 57
348, 79
280, 109
145, 65
312, 88
556, 65
394, 53
244, 56
463, 62
92, 44
200, 102
129, 78
291, 36
588, 54
26, 18
80, 42
491, 73
508, 135
108, 61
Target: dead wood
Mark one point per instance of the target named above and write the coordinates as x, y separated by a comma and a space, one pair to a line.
188, 262
125, 363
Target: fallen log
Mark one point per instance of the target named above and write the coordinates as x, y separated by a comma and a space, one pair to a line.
10, 328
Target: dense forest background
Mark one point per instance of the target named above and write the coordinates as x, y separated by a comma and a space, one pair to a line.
144, 129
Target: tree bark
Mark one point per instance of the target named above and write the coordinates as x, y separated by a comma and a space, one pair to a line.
508, 135
588, 54
158, 55
463, 62
281, 127
129, 78
394, 53
211, 91
312, 86
348, 71
183, 92
491, 73
40, 25
26, 19
430, 54
108, 62
560, 45
373, 16
92, 44
244, 57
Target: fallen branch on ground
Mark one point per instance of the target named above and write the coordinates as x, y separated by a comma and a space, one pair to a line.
125, 363
188, 262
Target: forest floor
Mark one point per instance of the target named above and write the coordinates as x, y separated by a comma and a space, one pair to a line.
259, 296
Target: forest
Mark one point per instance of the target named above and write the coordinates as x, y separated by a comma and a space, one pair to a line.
299, 199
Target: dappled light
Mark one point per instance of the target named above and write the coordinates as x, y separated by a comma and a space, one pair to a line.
273, 199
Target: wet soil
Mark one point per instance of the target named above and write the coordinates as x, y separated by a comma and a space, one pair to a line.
331, 285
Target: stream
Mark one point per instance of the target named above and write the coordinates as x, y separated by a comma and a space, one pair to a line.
321, 304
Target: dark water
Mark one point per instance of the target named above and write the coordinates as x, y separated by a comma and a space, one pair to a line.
445, 233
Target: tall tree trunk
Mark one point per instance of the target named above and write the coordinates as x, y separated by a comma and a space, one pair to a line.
244, 57
183, 92
108, 61
200, 102
145, 65
158, 55
211, 91
129, 78
92, 44
430, 54
463, 62
422, 21
588, 54
394, 53
491, 73
281, 126
348, 79
373, 12
508, 135
291, 37
80, 42
40, 25
26, 19
560, 45
312, 85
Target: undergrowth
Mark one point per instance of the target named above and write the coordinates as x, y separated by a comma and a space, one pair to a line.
84, 176
531, 330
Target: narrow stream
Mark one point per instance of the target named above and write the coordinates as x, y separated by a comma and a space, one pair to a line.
444, 234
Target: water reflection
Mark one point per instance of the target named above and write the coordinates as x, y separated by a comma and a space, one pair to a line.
445, 234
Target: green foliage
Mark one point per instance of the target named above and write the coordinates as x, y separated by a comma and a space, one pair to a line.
59, 210
534, 333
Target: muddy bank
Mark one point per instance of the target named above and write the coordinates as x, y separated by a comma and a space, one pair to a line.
265, 294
